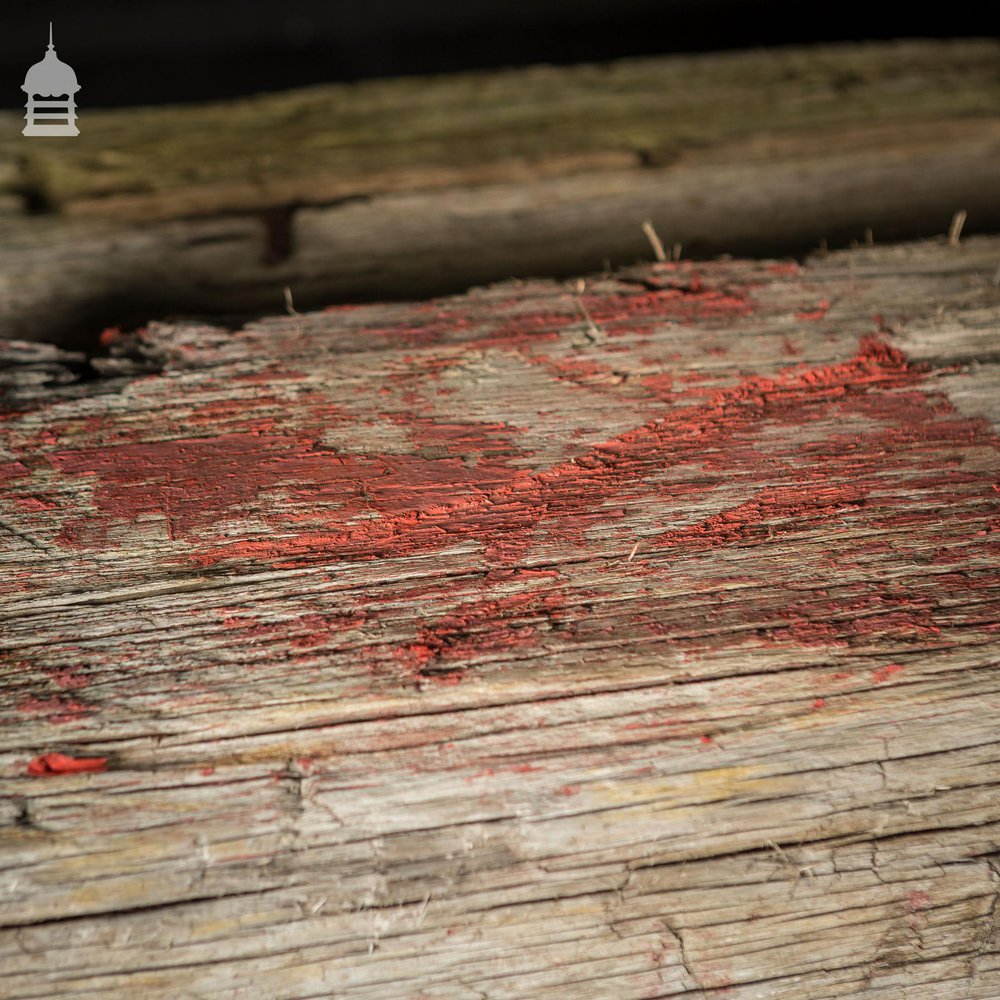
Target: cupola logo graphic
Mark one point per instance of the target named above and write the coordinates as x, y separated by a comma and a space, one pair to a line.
51, 88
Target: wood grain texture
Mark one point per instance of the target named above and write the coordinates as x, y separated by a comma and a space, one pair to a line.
629, 638
414, 187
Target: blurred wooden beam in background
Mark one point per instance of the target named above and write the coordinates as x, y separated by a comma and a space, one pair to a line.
418, 186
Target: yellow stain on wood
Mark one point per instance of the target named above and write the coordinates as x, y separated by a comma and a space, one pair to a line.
682, 791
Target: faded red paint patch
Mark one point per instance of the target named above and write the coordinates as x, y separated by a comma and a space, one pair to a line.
812, 315
60, 763
12, 470
689, 301
56, 709
35, 503
322, 630
476, 629
423, 504
882, 674
68, 678
660, 385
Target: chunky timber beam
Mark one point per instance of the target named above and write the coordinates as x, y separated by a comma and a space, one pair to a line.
634, 636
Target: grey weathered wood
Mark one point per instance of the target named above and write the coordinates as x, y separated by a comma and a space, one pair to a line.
747, 761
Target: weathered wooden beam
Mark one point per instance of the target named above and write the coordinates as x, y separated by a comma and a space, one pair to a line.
633, 637
411, 187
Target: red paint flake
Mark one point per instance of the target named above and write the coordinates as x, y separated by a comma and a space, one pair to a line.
917, 900
208, 771
568, 790
574, 370
882, 674
60, 763
705, 738
34, 504
745, 521
819, 703
193, 481
822, 308
109, 335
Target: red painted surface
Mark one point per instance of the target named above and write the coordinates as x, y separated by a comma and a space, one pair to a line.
727, 457
425, 503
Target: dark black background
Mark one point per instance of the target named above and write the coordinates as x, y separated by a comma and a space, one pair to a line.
155, 51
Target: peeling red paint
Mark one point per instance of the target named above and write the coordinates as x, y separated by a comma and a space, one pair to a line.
365, 507
284, 478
